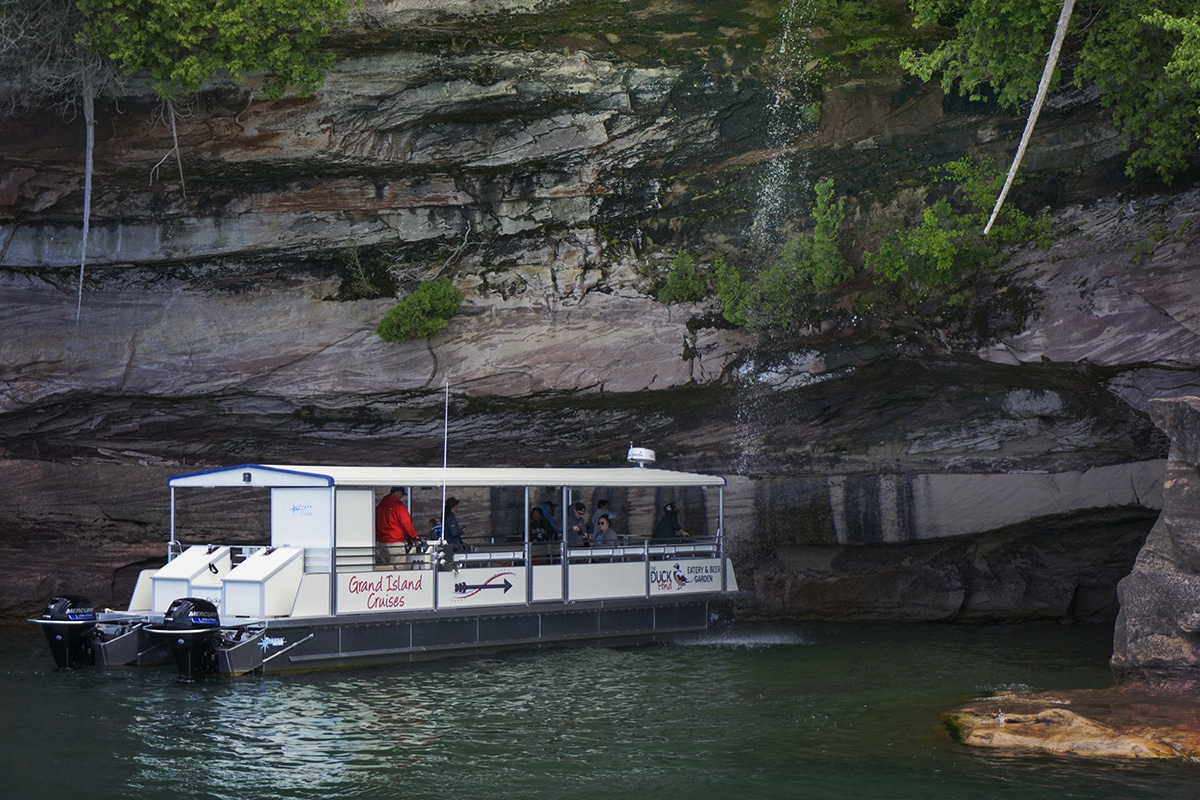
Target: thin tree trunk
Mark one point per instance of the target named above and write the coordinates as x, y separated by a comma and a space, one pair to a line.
1060, 33
89, 118
175, 141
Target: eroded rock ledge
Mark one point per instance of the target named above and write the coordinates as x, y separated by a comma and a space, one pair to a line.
1105, 723
1151, 712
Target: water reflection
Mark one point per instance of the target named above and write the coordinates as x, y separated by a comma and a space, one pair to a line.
483, 720
800, 712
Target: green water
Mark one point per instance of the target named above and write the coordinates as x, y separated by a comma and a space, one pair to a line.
798, 712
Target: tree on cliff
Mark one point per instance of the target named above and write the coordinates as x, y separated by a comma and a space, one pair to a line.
46, 60
69, 52
1142, 55
185, 43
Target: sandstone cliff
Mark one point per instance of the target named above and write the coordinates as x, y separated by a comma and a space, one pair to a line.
549, 156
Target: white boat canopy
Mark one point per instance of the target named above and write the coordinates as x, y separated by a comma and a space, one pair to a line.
276, 475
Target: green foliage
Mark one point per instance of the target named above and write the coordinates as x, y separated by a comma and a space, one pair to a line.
1144, 248
364, 275
948, 240
1128, 57
183, 43
683, 284
422, 314
860, 37
806, 264
996, 46
827, 266
1185, 61
934, 253
1144, 57
734, 292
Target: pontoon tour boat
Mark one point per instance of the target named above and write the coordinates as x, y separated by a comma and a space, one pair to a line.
317, 595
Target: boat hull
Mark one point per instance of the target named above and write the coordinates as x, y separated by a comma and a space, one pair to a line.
297, 645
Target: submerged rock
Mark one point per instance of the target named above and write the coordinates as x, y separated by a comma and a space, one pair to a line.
1093, 723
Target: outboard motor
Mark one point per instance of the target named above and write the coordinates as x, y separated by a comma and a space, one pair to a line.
193, 628
68, 622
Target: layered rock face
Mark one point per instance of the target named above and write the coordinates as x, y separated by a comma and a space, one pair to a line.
1157, 640
549, 157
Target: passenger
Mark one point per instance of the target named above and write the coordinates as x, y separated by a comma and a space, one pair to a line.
668, 528
547, 508
577, 527
604, 536
393, 527
454, 531
602, 509
540, 528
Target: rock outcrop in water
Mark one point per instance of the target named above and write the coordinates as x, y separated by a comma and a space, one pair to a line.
549, 156
1151, 712
1157, 640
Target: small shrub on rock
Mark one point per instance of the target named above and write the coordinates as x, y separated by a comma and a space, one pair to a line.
424, 313
683, 283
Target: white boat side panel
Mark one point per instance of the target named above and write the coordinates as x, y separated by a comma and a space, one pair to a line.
394, 590
265, 584
547, 583
301, 518
487, 586
685, 576
186, 575
355, 518
143, 592
597, 581
312, 599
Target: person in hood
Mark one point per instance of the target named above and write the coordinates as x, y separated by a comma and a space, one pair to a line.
668, 528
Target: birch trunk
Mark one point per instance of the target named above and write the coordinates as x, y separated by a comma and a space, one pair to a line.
1060, 33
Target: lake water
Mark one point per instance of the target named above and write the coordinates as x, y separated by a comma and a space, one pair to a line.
811, 711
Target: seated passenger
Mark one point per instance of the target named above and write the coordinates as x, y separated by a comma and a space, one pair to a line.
605, 536
540, 528
577, 527
454, 531
603, 509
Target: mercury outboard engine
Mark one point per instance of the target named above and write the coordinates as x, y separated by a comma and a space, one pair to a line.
193, 629
68, 622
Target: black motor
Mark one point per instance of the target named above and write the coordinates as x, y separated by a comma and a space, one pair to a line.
193, 627
68, 622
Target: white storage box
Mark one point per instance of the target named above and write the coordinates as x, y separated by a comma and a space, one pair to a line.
264, 585
196, 572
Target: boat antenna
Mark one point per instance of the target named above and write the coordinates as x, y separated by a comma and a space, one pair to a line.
445, 450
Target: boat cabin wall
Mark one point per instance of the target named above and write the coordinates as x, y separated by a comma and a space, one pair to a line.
302, 517
355, 518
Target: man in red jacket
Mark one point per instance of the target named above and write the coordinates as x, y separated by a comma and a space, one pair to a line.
393, 526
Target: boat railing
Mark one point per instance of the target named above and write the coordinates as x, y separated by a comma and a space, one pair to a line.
350, 559
646, 551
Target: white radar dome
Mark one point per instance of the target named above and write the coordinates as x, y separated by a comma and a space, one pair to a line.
640, 456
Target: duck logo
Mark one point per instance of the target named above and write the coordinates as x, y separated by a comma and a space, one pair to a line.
668, 580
